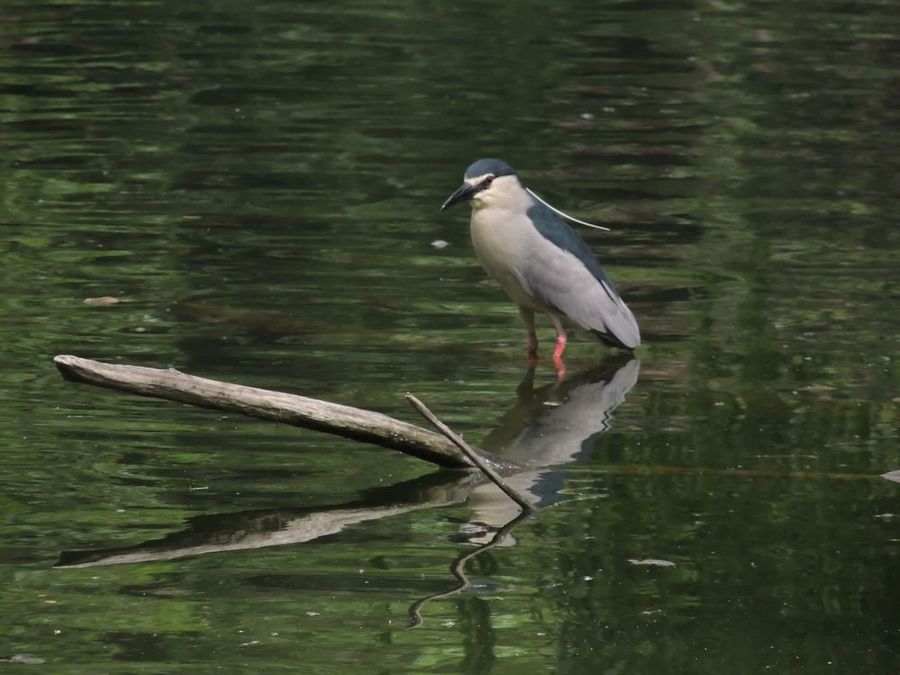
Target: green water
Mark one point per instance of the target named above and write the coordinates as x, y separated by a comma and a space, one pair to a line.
258, 184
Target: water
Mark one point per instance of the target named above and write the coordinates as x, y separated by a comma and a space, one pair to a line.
257, 184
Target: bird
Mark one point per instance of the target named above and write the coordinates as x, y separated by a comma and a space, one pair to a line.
541, 262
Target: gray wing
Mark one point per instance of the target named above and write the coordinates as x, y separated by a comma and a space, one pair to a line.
567, 277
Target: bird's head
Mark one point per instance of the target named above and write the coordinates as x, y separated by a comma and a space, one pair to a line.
486, 182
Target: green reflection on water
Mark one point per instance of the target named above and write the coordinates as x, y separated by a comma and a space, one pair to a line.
258, 185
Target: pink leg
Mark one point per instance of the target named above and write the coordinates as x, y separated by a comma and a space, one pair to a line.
560, 347
558, 353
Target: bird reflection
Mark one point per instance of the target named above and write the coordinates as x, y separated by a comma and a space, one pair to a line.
551, 425
546, 427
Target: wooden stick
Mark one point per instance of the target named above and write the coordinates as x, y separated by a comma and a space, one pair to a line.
355, 423
473, 456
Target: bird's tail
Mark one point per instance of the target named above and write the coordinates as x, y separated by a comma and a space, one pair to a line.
622, 331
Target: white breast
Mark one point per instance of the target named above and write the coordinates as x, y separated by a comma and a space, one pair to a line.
502, 243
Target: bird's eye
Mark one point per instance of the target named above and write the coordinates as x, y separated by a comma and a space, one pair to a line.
486, 183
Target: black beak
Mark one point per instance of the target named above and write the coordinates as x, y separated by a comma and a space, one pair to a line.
464, 193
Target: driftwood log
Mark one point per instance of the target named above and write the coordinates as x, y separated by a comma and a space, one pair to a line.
354, 423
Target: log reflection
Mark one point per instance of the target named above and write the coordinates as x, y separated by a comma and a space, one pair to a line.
545, 428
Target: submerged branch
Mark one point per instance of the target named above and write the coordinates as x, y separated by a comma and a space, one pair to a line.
346, 421
470, 453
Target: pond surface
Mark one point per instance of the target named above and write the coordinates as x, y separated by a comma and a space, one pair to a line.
251, 191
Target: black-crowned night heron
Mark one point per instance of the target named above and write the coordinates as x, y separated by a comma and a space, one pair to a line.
540, 261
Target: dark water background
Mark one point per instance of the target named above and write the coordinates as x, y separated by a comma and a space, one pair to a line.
258, 184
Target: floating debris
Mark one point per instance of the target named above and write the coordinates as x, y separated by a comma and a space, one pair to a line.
29, 659
103, 300
652, 562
